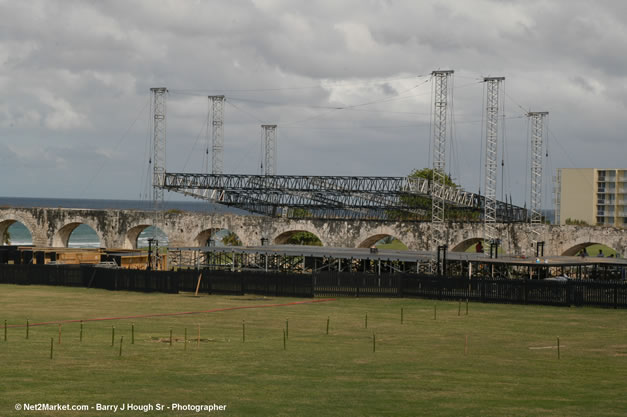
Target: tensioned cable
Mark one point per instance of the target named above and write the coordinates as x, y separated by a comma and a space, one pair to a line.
527, 162
204, 127
115, 147
265, 90
483, 94
144, 185
503, 153
429, 162
230, 103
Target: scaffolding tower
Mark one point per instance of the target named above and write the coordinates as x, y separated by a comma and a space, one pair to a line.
158, 121
537, 143
439, 123
268, 133
217, 133
493, 85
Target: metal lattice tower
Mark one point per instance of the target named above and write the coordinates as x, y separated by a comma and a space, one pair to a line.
440, 116
158, 111
269, 143
217, 133
537, 143
491, 164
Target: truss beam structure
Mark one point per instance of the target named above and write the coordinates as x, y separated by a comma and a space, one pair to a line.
440, 118
440, 125
331, 197
268, 133
493, 85
537, 144
216, 104
158, 129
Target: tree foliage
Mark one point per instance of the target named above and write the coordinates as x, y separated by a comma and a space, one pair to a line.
576, 222
421, 206
6, 237
231, 239
304, 238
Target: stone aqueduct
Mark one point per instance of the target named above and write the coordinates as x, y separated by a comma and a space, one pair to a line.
52, 227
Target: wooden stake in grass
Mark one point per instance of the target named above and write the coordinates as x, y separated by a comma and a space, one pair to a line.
51, 346
374, 343
59, 334
132, 333
328, 325
185, 347
243, 331
27, 328
121, 340
112, 335
284, 337
366, 321
170, 337
81, 333
558, 347
198, 284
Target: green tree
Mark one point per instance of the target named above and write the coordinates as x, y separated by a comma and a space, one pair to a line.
419, 208
231, 239
304, 238
6, 237
299, 213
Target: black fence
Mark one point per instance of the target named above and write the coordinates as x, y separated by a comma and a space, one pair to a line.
326, 284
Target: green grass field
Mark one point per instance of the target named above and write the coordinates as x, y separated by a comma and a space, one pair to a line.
419, 367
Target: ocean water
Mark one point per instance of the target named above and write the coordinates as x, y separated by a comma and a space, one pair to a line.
85, 237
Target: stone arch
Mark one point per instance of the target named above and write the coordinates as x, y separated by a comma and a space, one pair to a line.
576, 249
464, 245
202, 238
283, 238
372, 240
131, 239
62, 236
9, 217
6, 224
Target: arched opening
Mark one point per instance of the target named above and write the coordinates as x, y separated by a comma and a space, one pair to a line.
76, 235
470, 245
383, 241
298, 237
157, 235
13, 232
590, 249
218, 237
475, 245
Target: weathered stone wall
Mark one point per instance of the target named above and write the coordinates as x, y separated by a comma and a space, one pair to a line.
51, 227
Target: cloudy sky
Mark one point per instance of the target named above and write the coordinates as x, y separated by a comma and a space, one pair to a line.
347, 82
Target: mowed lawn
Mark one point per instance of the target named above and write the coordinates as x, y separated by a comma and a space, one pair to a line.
419, 368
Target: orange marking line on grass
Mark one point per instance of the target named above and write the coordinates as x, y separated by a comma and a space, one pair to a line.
143, 316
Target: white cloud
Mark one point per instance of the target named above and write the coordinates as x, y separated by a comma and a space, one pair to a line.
77, 74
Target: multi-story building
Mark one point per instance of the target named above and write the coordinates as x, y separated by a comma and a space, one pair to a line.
593, 195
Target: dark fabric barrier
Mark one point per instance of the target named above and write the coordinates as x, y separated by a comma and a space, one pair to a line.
325, 284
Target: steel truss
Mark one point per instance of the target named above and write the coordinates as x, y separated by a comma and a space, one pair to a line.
440, 117
158, 104
491, 147
537, 136
332, 197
